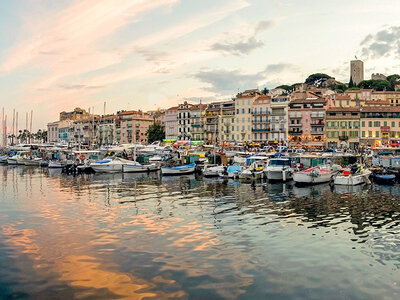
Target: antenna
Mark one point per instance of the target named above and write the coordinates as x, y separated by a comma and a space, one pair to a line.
355, 56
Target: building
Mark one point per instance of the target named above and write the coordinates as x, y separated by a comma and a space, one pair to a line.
82, 133
63, 131
356, 71
279, 119
75, 115
52, 132
343, 127
360, 95
243, 116
378, 76
171, 123
220, 122
261, 119
106, 131
197, 113
132, 126
380, 126
183, 116
393, 97
307, 119
344, 100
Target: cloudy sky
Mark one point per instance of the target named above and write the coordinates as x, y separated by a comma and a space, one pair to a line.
57, 55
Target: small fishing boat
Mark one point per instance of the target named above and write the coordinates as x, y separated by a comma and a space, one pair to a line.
232, 172
213, 171
135, 167
279, 169
315, 175
353, 176
179, 170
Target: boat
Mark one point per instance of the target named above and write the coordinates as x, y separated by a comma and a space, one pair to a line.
315, 175
384, 178
55, 164
232, 172
213, 171
254, 172
353, 176
109, 165
279, 169
3, 159
156, 158
135, 167
179, 170
35, 161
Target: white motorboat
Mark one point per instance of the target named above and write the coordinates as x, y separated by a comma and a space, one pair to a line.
212, 170
155, 158
34, 161
360, 176
254, 172
3, 159
109, 165
55, 164
279, 169
179, 170
232, 172
135, 167
315, 175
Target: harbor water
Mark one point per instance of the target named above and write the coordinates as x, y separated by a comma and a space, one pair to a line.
141, 236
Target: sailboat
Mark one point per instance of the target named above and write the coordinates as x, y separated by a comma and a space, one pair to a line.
135, 167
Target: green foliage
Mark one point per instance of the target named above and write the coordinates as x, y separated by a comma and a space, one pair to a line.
339, 88
288, 88
351, 83
393, 80
265, 91
155, 133
377, 85
317, 79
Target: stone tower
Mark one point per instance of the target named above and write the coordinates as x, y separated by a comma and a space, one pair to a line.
357, 71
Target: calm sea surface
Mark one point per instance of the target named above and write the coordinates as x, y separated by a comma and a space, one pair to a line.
140, 236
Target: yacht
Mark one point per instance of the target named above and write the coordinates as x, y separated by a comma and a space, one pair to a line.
279, 169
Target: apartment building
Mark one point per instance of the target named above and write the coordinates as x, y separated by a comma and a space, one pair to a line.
106, 131
343, 127
380, 126
197, 113
244, 115
279, 119
183, 117
171, 123
261, 119
307, 119
132, 126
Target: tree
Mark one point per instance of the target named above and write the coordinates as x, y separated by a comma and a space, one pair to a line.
317, 79
155, 133
265, 91
351, 83
377, 85
393, 80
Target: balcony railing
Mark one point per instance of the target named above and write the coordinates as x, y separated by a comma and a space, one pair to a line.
291, 132
260, 130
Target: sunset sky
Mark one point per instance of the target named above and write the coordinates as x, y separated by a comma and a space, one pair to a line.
57, 55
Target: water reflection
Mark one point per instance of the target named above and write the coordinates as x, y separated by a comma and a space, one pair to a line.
140, 236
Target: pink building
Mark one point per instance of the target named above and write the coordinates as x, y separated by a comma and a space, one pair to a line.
131, 126
307, 113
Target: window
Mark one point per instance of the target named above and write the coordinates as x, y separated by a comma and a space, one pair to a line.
255, 110
393, 124
363, 133
369, 133
385, 123
376, 133
363, 124
242, 110
377, 124
237, 111
369, 123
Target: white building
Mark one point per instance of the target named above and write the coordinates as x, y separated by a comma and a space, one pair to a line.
171, 123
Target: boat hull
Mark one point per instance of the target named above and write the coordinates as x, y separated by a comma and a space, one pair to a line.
352, 179
176, 171
307, 178
137, 168
106, 168
279, 175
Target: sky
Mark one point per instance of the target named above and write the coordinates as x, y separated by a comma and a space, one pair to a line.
140, 54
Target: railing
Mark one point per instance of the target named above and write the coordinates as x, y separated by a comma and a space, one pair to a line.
291, 132
260, 130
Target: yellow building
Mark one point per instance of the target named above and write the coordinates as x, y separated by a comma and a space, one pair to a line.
393, 97
380, 126
244, 115
343, 127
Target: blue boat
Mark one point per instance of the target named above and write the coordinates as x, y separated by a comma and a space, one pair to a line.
179, 170
385, 178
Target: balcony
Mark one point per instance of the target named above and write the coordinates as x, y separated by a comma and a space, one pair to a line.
318, 124
317, 117
343, 138
260, 130
295, 125
197, 125
291, 132
317, 132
